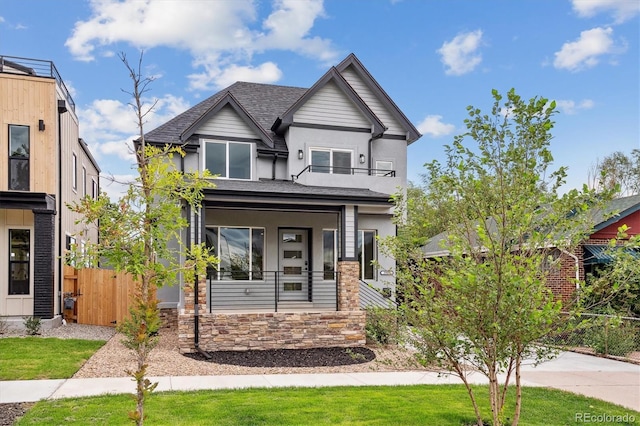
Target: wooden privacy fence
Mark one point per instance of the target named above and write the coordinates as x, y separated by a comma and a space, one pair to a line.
96, 296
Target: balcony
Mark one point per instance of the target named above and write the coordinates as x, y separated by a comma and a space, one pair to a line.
377, 180
272, 291
36, 68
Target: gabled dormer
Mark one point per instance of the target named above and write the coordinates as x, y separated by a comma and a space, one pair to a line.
363, 83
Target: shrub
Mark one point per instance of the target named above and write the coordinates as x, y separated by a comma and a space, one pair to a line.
617, 341
382, 326
32, 324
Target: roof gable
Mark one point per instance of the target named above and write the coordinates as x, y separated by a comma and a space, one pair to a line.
228, 100
621, 207
332, 76
381, 95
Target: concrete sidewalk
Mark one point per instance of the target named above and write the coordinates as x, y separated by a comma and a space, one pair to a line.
609, 380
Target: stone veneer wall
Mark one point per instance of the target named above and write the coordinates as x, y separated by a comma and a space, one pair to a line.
169, 318
276, 330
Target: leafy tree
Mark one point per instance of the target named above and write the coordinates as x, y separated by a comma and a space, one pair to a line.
139, 234
617, 172
484, 306
615, 287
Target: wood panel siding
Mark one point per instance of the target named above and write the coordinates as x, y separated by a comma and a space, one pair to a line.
26, 100
330, 106
394, 128
227, 123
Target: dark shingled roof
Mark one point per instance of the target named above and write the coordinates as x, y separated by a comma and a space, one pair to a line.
264, 103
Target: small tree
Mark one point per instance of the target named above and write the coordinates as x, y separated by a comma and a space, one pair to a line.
484, 305
139, 234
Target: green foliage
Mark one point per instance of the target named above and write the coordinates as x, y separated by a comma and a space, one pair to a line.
615, 287
485, 303
611, 336
32, 325
382, 326
140, 234
617, 172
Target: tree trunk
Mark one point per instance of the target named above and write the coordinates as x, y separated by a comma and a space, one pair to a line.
516, 414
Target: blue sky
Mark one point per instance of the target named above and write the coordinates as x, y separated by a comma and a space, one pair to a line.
432, 57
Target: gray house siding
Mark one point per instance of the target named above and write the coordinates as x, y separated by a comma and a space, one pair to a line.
331, 107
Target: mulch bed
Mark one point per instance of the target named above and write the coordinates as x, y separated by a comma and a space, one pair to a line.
9, 413
285, 358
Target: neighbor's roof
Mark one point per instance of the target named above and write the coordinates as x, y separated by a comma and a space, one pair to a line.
621, 207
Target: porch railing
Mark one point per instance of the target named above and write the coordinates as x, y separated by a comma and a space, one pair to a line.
344, 171
272, 291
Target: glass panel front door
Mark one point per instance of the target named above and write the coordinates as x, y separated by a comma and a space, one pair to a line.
294, 265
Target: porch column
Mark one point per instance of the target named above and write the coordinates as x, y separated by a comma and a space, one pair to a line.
348, 265
43, 263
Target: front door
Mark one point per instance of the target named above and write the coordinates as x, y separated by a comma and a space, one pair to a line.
294, 265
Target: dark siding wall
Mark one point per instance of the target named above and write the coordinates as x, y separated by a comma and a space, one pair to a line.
43, 263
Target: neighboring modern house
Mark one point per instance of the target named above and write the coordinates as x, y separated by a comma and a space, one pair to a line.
302, 194
572, 267
43, 165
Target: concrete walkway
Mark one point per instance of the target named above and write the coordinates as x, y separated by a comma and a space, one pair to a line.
614, 381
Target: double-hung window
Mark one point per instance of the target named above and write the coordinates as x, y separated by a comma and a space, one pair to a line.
231, 160
240, 252
325, 160
74, 171
19, 148
19, 250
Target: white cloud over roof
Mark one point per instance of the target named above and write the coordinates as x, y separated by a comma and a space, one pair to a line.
460, 55
225, 31
433, 126
571, 107
587, 50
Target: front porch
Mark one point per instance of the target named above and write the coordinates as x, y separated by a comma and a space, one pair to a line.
293, 326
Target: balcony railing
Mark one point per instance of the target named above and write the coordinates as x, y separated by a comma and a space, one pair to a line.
344, 171
36, 68
272, 291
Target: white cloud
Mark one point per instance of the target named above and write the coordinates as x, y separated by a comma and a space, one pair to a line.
218, 34
460, 55
586, 51
216, 78
571, 107
109, 125
622, 10
1, 19
115, 185
433, 126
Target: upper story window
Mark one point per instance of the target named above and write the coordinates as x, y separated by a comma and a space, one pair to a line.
324, 160
19, 147
74, 171
384, 168
84, 181
94, 189
231, 160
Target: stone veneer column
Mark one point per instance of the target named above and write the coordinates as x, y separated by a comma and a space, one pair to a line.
187, 316
348, 285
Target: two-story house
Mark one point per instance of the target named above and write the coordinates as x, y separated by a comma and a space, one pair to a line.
304, 178
43, 165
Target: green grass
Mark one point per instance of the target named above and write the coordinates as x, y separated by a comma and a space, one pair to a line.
384, 405
28, 358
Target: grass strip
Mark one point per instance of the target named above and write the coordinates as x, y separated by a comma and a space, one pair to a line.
371, 405
29, 358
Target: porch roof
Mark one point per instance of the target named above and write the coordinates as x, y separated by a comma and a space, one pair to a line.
276, 190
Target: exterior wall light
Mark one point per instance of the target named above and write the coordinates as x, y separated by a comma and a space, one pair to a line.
361, 158
41, 125
300, 154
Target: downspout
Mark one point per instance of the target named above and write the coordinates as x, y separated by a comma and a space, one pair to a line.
370, 150
273, 166
60, 263
196, 305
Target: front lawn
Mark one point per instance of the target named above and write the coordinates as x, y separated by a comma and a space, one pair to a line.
383, 405
29, 358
